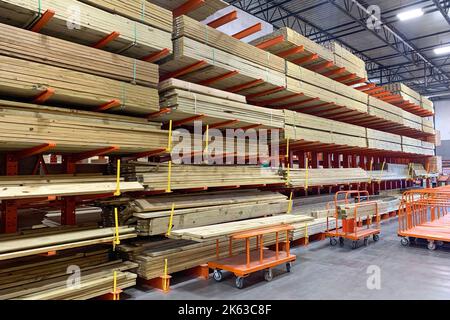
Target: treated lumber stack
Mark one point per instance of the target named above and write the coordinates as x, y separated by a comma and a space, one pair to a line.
428, 126
302, 178
155, 176
225, 230
390, 172
26, 80
340, 57
203, 209
383, 141
36, 47
206, 9
185, 104
54, 239
95, 282
136, 39
410, 95
75, 131
410, 145
24, 187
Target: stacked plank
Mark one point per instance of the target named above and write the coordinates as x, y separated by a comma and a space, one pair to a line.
435, 164
410, 145
410, 95
84, 215
74, 130
317, 226
137, 39
206, 9
340, 57
154, 214
304, 178
27, 80
36, 47
226, 230
385, 141
428, 126
389, 172
184, 103
155, 177
58, 239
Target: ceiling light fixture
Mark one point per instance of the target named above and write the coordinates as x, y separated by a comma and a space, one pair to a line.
442, 50
411, 14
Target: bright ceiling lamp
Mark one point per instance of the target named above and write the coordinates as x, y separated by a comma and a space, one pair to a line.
411, 14
442, 50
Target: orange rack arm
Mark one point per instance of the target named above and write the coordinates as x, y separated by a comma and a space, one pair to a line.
280, 99
218, 78
159, 113
145, 154
297, 104
35, 150
90, 154
223, 20
248, 32
309, 58
244, 86
366, 87
356, 82
43, 20
223, 124
346, 78
265, 93
334, 72
106, 40
44, 96
270, 43
187, 120
187, 7
109, 105
185, 70
290, 52
321, 66
156, 56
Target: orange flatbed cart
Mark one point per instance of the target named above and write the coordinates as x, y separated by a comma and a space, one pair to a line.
259, 259
352, 227
424, 215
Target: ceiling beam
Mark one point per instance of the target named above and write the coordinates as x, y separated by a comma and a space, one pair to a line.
443, 8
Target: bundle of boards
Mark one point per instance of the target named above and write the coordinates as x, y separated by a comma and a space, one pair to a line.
75, 131
216, 107
203, 209
137, 39
303, 178
410, 95
156, 176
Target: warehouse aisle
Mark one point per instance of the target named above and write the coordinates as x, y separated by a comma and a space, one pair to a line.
324, 272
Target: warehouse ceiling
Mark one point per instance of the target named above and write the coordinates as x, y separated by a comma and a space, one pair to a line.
394, 50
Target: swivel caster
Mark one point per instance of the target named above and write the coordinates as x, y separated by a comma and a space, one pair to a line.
268, 275
431, 245
341, 241
439, 243
404, 242
376, 237
366, 242
333, 241
288, 267
218, 275
354, 244
239, 282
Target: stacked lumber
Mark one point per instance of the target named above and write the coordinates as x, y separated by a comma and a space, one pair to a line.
410, 95
389, 172
193, 210
428, 126
419, 171
225, 230
74, 130
410, 145
155, 177
95, 282
36, 47
304, 178
384, 141
137, 39
340, 57
84, 215
317, 226
206, 9
26, 187
58, 239
216, 110
435, 164
26, 80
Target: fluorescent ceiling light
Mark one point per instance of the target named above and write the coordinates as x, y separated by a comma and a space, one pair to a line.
442, 50
411, 14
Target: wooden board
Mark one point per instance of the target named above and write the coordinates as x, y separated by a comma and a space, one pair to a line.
302, 178
75, 131
36, 47
137, 40
208, 8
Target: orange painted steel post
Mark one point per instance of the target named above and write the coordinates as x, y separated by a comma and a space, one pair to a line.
248, 32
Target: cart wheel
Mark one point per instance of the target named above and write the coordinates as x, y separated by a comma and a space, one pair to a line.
341, 241
366, 242
431, 245
239, 282
333, 241
439, 243
268, 275
405, 242
354, 244
218, 275
376, 237
288, 266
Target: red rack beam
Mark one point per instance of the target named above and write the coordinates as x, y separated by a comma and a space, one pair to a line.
109, 105
187, 7
223, 20
253, 126
159, 113
346, 78
145, 154
223, 124
334, 72
291, 51
309, 58
43, 20
280, 99
187, 120
296, 104
270, 43
367, 86
218, 78
358, 81
34, 151
106, 40
321, 66
185, 70
265, 93
44, 96
248, 32
245, 86
156, 56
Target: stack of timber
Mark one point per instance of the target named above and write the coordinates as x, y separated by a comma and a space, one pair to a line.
185, 102
26, 187
410, 145
297, 48
435, 164
136, 40
226, 230
204, 209
317, 226
304, 178
428, 126
84, 215
75, 131
36, 47
410, 95
203, 11
419, 171
385, 141
58, 239
96, 280
26, 80
389, 172
155, 177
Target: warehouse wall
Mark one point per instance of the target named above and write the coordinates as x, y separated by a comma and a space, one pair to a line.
443, 125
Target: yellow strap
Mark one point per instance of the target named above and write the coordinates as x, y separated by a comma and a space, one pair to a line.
169, 144
169, 230
307, 174
370, 170
118, 192
165, 275
116, 235
291, 202
306, 235
169, 178
382, 168
207, 140
115, 295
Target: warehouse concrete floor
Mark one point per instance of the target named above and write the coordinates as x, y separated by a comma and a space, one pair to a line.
325, 272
